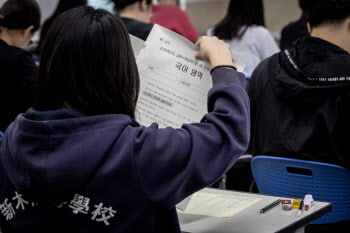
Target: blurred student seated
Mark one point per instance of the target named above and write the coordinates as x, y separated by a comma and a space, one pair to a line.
136, 15
63, 6
169, 15
300, 97
79, 162
243, 28
297, 29
19, 19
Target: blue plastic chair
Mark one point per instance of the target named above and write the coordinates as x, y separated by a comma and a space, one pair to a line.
1, 134
295, 178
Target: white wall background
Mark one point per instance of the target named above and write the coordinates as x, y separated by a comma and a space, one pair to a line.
205, 13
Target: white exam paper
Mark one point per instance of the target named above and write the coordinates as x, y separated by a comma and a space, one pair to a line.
174, 85
137, 45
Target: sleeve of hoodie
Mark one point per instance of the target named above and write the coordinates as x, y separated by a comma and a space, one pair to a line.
174, 163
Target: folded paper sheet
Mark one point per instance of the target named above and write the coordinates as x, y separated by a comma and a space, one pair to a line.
217, 205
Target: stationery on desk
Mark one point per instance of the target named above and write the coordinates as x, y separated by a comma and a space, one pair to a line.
300, 208
249, 219
270, 206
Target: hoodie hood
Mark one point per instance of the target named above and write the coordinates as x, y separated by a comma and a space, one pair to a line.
310, 71
38, 163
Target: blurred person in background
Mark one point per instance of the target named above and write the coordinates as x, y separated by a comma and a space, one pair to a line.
19, 19
136, 15
243, 28
63, 6
297, 29
168, 14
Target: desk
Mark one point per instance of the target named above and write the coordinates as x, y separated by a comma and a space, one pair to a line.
250, 220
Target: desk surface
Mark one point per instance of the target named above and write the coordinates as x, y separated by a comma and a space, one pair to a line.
250, 220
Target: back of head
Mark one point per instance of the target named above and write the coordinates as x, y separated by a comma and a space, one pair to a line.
330, 12
121, 4
65, 5
20, 14
306, 5
89, 64
240, 13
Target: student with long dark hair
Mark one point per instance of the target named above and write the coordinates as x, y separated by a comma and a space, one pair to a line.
243, 28
79, 162
19, 19
63, 6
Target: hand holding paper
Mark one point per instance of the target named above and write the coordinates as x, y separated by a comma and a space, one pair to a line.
216, 51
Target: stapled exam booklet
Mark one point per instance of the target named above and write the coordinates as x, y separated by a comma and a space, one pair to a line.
174, 85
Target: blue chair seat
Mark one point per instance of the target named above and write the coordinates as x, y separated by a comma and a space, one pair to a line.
295, 178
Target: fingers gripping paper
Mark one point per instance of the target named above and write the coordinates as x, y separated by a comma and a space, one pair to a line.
174, 85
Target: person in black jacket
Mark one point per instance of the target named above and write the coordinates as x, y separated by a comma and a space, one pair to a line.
136, 15
300, 97
19, 19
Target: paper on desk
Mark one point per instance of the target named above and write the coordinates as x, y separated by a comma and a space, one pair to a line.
217, 205
174, 85
183, 204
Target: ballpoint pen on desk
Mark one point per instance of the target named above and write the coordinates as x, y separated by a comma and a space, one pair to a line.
273, 204
300, 208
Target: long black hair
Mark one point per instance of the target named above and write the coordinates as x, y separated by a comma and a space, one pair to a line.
20, 14
63, 6
89, 64
240, 13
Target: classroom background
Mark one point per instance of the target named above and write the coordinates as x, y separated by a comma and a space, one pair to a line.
205, 13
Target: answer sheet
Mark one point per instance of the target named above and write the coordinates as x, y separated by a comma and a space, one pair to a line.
217, 205
174, 85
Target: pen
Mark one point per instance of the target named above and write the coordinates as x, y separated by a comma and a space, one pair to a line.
273, 204
300, 208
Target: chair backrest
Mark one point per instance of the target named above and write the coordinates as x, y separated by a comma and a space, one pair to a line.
295, 178
1, 134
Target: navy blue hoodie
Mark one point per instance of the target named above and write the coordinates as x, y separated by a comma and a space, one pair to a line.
63, 171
